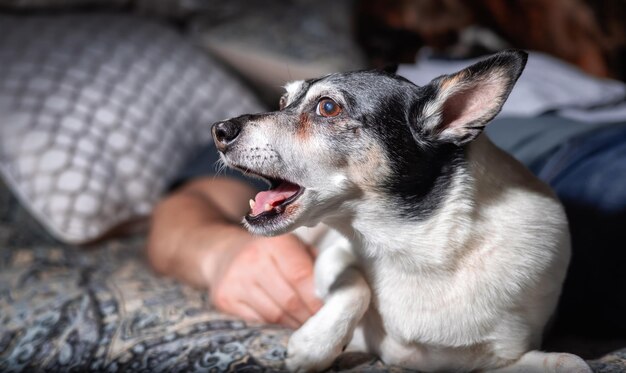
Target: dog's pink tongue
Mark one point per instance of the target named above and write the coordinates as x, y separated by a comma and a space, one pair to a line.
273, 197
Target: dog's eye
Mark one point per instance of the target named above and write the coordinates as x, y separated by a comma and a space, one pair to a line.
328, 108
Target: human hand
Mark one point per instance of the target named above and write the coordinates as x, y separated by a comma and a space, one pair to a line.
267, 279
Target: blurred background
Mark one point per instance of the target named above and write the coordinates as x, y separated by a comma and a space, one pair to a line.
102, 102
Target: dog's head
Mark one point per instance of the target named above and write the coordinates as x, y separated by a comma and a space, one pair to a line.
348, 138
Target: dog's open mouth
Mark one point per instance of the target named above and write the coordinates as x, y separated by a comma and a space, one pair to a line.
273, 202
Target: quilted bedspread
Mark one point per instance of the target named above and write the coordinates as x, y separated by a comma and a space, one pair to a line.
102, 309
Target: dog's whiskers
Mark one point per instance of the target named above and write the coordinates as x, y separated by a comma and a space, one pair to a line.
221, 167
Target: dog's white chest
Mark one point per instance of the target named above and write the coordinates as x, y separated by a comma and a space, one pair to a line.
427, 309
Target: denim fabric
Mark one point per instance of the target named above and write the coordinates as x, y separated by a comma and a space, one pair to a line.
530, 139
590, 169
588, 173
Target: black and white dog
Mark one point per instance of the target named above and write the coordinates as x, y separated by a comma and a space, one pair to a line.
451, 255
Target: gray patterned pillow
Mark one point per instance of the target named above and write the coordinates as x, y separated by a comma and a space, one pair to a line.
98, 113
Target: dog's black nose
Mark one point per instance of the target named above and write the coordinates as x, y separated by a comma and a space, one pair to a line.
225, 133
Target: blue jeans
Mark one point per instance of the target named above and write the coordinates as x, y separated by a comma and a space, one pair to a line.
588, 173
589, 170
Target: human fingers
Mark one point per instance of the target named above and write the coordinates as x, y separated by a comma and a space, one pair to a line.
262, 303
296, 265
281, 291
246, 312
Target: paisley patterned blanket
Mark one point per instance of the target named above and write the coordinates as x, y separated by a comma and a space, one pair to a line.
102, 309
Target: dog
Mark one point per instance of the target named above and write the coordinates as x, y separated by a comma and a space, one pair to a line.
450, 254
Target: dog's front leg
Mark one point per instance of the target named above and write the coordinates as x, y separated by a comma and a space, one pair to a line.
321, 339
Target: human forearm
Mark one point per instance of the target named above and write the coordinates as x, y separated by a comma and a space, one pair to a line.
195, 228
196, 237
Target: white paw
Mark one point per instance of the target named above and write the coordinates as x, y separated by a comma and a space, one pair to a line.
312, 350
552, 362
566, 363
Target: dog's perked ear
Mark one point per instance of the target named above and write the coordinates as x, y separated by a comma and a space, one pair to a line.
455, 108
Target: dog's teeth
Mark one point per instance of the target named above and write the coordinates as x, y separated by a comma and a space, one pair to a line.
267, 207
252, 203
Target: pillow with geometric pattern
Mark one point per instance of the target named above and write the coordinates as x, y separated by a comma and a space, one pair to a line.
99, 112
